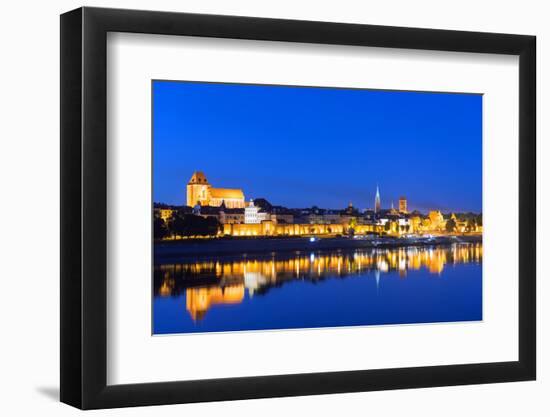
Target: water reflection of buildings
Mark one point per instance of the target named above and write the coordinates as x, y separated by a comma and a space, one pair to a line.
199, 300
218, 281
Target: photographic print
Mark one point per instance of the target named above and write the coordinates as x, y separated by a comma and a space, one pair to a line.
298, 207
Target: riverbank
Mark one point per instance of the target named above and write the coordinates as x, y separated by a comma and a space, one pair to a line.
183, 250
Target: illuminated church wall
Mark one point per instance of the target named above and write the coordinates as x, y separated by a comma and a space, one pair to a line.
270, 228
200, 191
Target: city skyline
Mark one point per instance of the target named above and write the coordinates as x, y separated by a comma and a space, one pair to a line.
199, 179
286, 154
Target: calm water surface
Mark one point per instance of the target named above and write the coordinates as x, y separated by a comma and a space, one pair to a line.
320, 289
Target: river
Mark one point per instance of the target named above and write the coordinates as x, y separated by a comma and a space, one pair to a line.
312, 289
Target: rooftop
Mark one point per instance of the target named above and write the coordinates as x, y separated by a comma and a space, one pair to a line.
198, 178
224, 193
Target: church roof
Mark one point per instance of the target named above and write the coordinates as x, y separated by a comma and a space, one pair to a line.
225, 193
198, 178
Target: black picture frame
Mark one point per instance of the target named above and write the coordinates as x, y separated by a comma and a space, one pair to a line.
84, 207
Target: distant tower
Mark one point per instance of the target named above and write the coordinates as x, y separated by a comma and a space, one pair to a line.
222, 213
377, 200
402, 204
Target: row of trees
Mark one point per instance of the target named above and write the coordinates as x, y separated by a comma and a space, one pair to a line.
470, 217
185, 225
471, 224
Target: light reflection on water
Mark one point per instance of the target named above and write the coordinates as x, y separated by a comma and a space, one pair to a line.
229, 281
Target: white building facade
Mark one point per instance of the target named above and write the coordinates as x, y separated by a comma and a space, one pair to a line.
252, 214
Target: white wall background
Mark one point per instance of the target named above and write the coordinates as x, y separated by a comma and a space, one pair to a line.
29, 209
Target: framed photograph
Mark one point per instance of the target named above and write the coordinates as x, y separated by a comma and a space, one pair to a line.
256, 208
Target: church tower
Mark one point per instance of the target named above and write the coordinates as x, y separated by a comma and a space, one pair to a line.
198, 190
377, 200
402, 204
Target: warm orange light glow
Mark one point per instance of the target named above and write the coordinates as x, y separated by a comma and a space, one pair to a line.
234, 277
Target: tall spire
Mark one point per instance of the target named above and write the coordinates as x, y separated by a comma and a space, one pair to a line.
377, 200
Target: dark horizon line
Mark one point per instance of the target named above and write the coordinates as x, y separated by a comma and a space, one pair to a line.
338, 209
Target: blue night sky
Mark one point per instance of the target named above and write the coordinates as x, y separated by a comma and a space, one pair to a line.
300, 147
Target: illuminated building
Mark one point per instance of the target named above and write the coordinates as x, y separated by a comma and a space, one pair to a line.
465, 225
393, 226
437, 222
226, 215
402, 205
282, 218
377, 200
460, 225
326, 218
164, 213
199, 191
404, 226
415, 223
252, 214
270, 228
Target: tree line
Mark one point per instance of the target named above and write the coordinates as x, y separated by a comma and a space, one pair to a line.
185, 225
